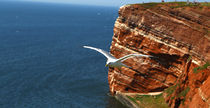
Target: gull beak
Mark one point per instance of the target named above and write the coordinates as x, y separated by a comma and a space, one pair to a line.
106, 65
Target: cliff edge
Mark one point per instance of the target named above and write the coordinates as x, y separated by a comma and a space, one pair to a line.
177, 35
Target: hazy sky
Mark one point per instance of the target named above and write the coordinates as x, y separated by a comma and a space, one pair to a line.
102, 2
93, 2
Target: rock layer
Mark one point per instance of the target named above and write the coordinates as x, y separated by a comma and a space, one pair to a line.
177, 38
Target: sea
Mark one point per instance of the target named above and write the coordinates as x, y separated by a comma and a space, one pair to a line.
42, 61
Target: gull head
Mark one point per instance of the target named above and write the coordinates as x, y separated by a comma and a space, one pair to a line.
107, 64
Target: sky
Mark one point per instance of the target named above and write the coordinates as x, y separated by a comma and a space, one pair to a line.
117, 3
93, 2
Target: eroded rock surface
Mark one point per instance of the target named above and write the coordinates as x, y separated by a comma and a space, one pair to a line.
179, 40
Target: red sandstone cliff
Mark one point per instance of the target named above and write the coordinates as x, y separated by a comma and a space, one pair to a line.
179, 39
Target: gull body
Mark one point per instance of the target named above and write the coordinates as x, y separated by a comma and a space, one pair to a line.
114, 62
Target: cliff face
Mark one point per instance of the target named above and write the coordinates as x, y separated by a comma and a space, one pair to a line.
179, 40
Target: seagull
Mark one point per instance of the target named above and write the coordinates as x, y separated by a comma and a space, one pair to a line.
114, 62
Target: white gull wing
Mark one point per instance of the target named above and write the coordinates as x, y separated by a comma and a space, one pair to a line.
132, 55
105, 53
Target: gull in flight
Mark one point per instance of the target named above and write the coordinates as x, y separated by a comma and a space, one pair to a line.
114, 62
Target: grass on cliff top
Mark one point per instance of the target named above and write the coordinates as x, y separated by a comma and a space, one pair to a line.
184, 4
205, 4
174, 4
149, 101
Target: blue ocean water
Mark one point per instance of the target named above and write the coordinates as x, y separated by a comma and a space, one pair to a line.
42, 62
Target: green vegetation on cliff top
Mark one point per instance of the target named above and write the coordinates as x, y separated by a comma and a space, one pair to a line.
175, 4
